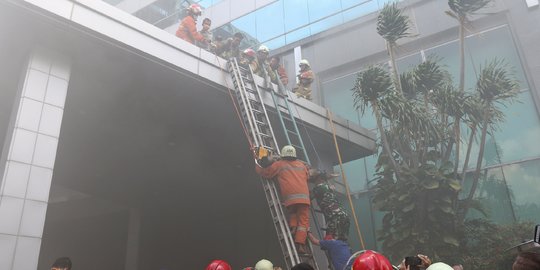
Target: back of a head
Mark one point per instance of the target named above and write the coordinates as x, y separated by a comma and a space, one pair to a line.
62, 263
303, 266
218, 265
264, 265
527, 261
371, 260
440, 266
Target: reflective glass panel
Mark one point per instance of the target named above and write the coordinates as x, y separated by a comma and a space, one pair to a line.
319, 9
523, 179
296, 14
269, 21
326, 23
364, 8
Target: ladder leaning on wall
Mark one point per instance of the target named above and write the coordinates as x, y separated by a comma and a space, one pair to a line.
261, 134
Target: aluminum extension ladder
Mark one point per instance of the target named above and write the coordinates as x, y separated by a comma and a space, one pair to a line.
256, 120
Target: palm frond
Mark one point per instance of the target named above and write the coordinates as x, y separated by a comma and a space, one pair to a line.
465, 8
370, 85
392, 24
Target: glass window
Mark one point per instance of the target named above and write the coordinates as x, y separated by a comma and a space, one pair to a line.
296, 14
275, 43
326, 24
407, 63
247, 24
319, 9
337, 96
269, 21
366, 7
523, 179
297, 34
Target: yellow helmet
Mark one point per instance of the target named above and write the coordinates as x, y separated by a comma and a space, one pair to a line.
288, 151
264, 265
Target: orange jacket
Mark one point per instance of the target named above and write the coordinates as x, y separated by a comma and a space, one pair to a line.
188, 31
292, 177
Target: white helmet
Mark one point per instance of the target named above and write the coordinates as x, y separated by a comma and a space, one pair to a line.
264, 265
304, 62
195, 9
264, 49
288, 151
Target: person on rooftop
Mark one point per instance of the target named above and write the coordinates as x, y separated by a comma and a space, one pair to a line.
261, 66
278, 68
207, 44
230, 47
188, 27
305, 78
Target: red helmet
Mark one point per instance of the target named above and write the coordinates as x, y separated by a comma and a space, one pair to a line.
218, 265
249, 52
195, 9
371, 260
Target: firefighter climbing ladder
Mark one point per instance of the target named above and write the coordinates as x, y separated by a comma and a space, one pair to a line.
257, 123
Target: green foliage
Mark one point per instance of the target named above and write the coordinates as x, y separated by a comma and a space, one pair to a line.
465, 8
392, 24
485, 245
371, 85
418, 117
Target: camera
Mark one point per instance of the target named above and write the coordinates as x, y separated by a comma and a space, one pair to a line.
413, 262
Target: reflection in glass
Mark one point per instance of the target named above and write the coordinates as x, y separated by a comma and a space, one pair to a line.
295, 14
319, 9
269, 21
326, 23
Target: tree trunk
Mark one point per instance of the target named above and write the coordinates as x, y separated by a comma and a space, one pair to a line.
457, 129
476, 175
468, 155
384, 139
395, 72
461, 54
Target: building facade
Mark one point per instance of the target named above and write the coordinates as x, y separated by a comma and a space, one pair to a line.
108, 156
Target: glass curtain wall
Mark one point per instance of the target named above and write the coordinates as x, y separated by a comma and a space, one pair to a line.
511, 179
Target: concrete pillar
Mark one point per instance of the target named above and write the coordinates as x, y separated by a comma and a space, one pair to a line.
133, 236
28, 158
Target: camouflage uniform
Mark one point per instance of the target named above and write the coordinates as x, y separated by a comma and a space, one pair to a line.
337, 219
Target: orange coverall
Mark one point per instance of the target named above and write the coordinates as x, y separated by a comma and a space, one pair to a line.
292, 177
188, 30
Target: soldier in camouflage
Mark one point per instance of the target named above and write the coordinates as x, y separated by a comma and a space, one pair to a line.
337, 219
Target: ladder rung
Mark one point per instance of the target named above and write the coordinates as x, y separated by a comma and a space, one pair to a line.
265, 135
292, 132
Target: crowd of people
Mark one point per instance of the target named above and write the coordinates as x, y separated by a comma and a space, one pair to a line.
269, 69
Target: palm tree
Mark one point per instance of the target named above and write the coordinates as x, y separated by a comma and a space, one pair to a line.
392, 25
495, 86
462, 10
370, 87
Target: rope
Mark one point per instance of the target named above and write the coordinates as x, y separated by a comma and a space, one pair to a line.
345, 179
236, 107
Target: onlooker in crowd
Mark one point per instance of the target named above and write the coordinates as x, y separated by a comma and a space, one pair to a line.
207, 44
305, 78
368, 260
277, 67
337, 219
339, 250
440, 266
264, 265
527, 260
292, 176
424, 260
63, 263
218, 265
303, 266
188, 27
231, 47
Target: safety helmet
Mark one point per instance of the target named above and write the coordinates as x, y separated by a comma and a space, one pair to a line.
371, 260
218, 265
288, 151
195, 9
304, 62
249, 52
263, 49
264, 265
439, 266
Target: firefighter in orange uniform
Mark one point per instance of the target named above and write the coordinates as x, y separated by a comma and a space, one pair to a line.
188, 27
292, 176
